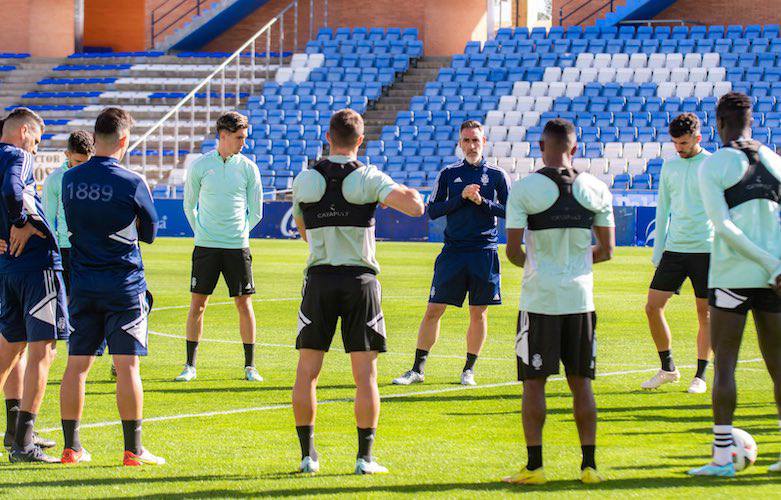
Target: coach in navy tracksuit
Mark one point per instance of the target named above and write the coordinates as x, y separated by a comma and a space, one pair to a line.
472, 194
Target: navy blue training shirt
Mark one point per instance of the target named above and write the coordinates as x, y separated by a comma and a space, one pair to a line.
108, 209
21, 204
470, 226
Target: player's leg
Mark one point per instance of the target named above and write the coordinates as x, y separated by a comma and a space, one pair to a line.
206, 269
367, 409
698, 384
72, 391
310, 362
40, 355
317, 318
428, 333
726, 331
475, 338
660, 332
12, 390
237, 271
768, 326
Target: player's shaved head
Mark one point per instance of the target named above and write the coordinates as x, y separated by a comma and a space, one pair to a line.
345, 128
23, 116
23, 128
559, 136
111, 125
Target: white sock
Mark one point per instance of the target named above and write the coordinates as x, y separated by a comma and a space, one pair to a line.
722, 444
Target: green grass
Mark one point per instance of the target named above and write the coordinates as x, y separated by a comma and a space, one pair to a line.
450, 442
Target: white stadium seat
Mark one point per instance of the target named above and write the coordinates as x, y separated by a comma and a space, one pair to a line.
639, 60
711, 60
697, 75
620, 60
624, 75
679, 75
665, 90
601, 61
283, 75
684, 90
494, 118
721, 88
636, 166
298, 60
512, 118
301, 74
660, 75
543, 104
552, 74
632, 150
717, 74
507, 103
693, 60
530, 119
614, 150
588, 75
521, 88
598, 165
642, 75
668, 150
574, 89
557, 89
497, 133
506, 164
524, 164
703, 89
606, 75
570, 75
516, 134
315, 60
538, 89
656, 60
606, 178
524, 104
651, 150
616, 166
520, 149
674, 60
581, 164
584, 60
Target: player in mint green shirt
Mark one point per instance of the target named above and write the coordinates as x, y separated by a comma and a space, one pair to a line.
223, 201
334, 202
555, 210
681, 250
741, 190
81, 147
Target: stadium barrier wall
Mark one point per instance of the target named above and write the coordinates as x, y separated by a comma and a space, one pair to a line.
634, 225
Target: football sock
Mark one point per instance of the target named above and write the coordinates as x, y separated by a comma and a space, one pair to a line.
534, 457
702, 365
24, 430
11, 414
420, 361
192, 351
470, 361
666, 358
365, 443
588, 456
722, 444
306, 437
131, 430
249, 354
70, 434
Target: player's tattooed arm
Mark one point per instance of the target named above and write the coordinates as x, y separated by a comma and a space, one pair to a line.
514, 249
606, 243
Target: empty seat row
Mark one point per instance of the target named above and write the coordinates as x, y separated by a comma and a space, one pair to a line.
641, 32
634, 75
623, 60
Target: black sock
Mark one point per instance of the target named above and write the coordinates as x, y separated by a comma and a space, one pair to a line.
24, 430
306, 437
534, 457
249, 354
11, 414
70, 433
192, 351
588, 456
666, 357
131, 430
702, 365
420, 361
470, 361
365, 443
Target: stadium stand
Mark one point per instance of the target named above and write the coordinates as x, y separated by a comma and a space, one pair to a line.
620, 87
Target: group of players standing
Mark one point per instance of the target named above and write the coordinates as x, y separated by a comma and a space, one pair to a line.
717, 224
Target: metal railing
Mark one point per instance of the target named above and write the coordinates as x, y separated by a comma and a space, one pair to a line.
170, 15
178, 125
580, 7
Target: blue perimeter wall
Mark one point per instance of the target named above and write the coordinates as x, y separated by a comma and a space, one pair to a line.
634, 225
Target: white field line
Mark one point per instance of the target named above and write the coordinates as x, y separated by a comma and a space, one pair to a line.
349, 400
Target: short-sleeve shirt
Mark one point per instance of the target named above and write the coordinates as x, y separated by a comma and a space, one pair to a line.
342, 246
757, 220
557, 276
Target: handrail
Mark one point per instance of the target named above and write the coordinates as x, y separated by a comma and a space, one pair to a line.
577, 9
220, 72
595, 12
649, 22
156, 20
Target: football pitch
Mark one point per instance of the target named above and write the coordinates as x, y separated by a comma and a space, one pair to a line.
225, 437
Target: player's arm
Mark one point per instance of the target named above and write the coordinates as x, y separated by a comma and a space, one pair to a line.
254, 198
662, 220
438, 203
50, 198
192, 189
406, 200
718, 212
300, 225
13, 199
146, 213
514, 248
298, 214
606, 243
498, 208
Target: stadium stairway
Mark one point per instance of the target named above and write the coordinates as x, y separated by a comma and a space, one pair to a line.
399, 95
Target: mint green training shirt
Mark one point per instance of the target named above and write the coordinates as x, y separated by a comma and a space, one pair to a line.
223, 200
746, 249
52, 205
557, 276
342, 246
681, 222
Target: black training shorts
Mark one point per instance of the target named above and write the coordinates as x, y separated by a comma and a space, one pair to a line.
545, 340
743, 300
675, 267
235, 264
350, 293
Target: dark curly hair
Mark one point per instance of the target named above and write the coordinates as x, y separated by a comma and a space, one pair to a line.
734, 108
81, 142
685, 123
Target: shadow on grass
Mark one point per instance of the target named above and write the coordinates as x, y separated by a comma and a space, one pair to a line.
107, 481
371, 487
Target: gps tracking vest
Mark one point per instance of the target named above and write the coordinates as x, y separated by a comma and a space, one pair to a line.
757, 182
333, 210
566, 212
